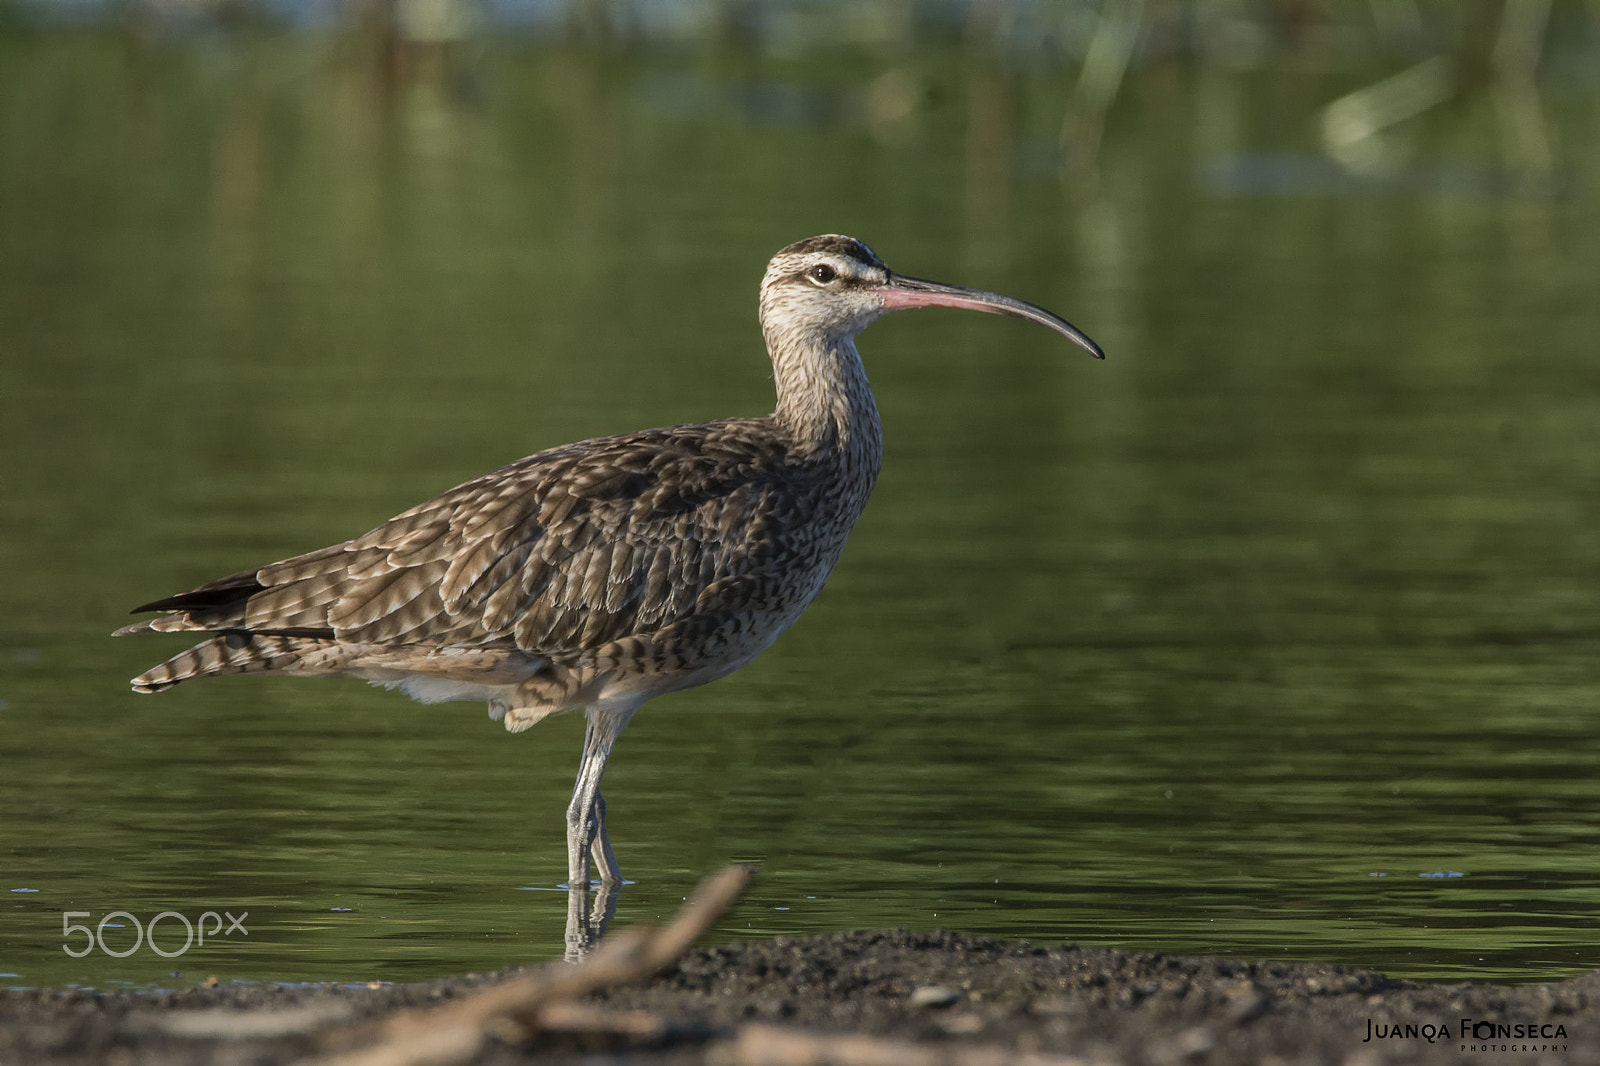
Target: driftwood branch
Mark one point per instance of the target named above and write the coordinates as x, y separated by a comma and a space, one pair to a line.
546, 1000
756, 1044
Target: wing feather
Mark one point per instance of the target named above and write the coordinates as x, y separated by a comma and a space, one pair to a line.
430, 543
467, 568
620, 582
366, 563
422, 613
560, 553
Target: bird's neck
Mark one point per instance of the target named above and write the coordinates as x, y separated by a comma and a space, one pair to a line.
825, 403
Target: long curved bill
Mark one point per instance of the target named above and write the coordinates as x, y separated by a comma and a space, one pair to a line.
901, 292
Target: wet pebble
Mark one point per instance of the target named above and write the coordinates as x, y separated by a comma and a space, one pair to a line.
935, 996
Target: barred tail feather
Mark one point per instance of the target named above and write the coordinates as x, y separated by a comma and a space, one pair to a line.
238, 651
230, 653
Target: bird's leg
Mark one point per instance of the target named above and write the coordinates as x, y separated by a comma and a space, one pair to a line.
579, 824
586, 814
600, 853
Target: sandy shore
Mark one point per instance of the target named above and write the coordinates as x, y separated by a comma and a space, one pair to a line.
899, 996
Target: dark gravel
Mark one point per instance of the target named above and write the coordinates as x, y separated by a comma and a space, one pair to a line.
945, 989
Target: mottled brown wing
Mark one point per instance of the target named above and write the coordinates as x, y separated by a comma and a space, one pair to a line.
561, 552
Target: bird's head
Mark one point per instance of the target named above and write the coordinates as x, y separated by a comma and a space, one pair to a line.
833, 287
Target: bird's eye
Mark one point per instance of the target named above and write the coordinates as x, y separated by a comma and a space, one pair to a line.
822, 273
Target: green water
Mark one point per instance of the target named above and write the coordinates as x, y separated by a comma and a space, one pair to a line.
1272, 636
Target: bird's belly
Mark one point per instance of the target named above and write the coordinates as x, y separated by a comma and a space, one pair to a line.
715, 659
705, 672
426, 689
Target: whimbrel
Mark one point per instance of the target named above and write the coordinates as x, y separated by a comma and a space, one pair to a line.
605, 573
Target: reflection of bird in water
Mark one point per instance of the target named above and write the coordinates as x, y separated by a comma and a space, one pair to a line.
604, 573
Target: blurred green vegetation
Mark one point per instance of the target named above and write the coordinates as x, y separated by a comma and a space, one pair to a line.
1226, 645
